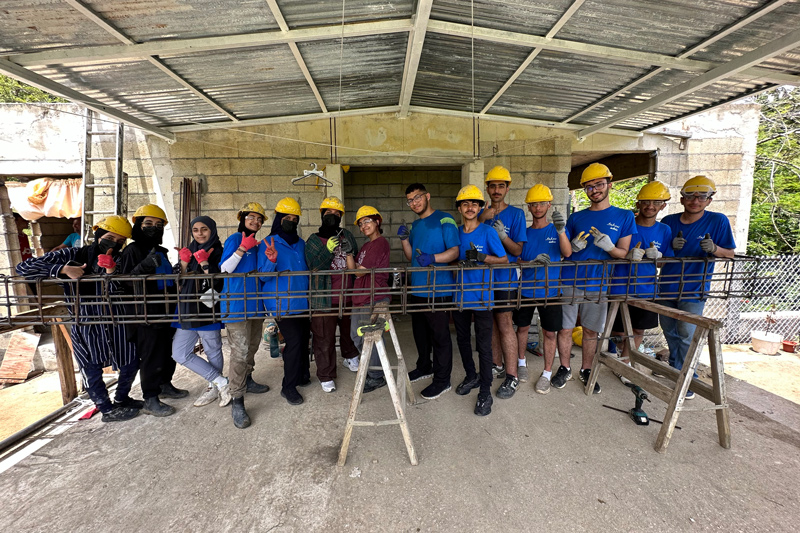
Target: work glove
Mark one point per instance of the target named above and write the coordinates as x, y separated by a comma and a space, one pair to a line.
424, 259
542, 258
270, 251
601, 240
500, 228
149, 264
248, 241
347, 247
579, 242
474, 255
185, 255
678, 242
106, 261
202, 256
707, 245
652, 252
332, 243
403, 232
636, 253
559, 221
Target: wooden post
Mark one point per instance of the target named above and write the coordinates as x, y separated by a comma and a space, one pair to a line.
66, 370
718, 393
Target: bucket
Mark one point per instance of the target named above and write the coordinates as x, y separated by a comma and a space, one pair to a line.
766, 343
789, 346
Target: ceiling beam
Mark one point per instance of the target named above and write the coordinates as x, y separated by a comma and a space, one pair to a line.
276, 12
778, 46
755, 15
528, 60
204, 44
31, 78
416, 41
92, 15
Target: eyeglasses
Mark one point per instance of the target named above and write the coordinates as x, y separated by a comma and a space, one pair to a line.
416, 198
700, 196
654, 203
537, 204
364, 221
254, 218
598, 187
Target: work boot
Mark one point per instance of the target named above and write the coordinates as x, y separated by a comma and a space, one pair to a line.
154, 406
484, 404
374, 383
254, 387
468, 384
240, 418
129, 402
169, 391
120, 414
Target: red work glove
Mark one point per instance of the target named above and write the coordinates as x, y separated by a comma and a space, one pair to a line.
185, 254
106, 261
202, 256
248, 241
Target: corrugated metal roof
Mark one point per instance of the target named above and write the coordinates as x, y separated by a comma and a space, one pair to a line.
594, 54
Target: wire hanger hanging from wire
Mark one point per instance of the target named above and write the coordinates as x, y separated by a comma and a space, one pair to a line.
318, 175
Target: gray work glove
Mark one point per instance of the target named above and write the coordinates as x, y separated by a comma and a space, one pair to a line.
652, 252
636, 253
707, 245
601, 240
678, 242
559, 221
579, 242
542, 258
500, 228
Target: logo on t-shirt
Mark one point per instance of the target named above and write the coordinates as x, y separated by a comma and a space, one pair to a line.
613, 227
551, 240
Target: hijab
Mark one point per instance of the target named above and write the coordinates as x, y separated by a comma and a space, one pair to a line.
212, 242
330, 226
277, 229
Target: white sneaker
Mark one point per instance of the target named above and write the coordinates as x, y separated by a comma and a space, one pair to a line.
328, 386
211, 394
224, 395
352, 364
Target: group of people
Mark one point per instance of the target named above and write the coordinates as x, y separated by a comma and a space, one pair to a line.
329, 265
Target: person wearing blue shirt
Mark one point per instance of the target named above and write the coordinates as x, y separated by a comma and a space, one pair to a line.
431, 240
241, 311
480, 245
286, 296
696, 233
509, 223
638, 279
599, 232
73, 240
544, 247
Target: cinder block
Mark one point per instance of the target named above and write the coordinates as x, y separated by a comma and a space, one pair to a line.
254, 148
184, 167
247, 167
257, 184
140, 186
220, 201
187, 150
220, 150
214, 167
215, 184
282, 167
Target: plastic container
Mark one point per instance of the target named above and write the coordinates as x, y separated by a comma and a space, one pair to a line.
789, 346
766, 343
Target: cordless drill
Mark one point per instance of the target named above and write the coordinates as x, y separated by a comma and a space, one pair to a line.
638, 416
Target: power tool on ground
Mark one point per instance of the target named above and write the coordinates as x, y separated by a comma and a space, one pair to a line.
638, 416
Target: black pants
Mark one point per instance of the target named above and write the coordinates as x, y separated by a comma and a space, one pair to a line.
156, 365
296, 332
93, 383
432, 332
483, 339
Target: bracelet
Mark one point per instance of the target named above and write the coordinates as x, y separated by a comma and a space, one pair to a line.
204, 267
240, 249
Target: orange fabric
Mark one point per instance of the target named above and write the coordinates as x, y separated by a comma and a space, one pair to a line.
47, 197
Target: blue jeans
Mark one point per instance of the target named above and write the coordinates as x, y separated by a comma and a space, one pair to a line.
183, 352
93, 383
677, 332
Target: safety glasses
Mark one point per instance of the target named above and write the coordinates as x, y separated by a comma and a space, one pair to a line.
697, 196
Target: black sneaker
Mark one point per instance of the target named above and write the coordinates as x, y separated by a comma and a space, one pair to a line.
584, 375
120, 414
129, 402
292, 396
468, 384
561, 377
304, 382
484, 404
418, 375
434, 390
508, 388
168, 390
499, 371
374, 383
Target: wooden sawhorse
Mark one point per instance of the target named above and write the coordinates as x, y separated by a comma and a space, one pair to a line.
397, 387
674, 397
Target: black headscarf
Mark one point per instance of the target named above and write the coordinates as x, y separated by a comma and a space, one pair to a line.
88, 254
277, 229
212, 242
328, 231
142, 239
242, 228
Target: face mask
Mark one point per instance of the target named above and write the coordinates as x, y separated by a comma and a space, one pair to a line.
104, 245
153, 232
330, 220
289, 226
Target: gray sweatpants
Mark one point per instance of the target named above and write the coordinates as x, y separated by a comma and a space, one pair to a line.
183, 352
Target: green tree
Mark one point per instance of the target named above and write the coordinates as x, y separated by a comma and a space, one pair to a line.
622, 195
13, 91
775, 212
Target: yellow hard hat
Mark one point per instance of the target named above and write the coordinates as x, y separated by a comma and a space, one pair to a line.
498, 173
577, 336
595, 171
332, 202
470, 192
539, 193
699, 184
149, 210
288, 206
116, 224
655, 190
366, 211
252, 207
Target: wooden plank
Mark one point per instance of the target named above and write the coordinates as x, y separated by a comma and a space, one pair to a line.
698, 387
66, 369
677, 314
17, 364
361, 378
602, 345
47, 311
651, 385
720, 397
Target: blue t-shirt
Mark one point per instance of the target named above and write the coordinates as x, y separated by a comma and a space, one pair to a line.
616, 223
513, 218
73, 241
640, 281
538, 280
433, 234
477, 291
715, 224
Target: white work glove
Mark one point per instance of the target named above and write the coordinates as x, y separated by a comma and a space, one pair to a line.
500, 228
652, 252
559, 221
542, 258
601, 240
678, 242
707, 245
636, 253
579, 242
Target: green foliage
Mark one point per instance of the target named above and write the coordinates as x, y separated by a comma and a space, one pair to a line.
13, 91
775, 212
623, 194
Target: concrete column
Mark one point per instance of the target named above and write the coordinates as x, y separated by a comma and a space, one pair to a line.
162, 187
472, 174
